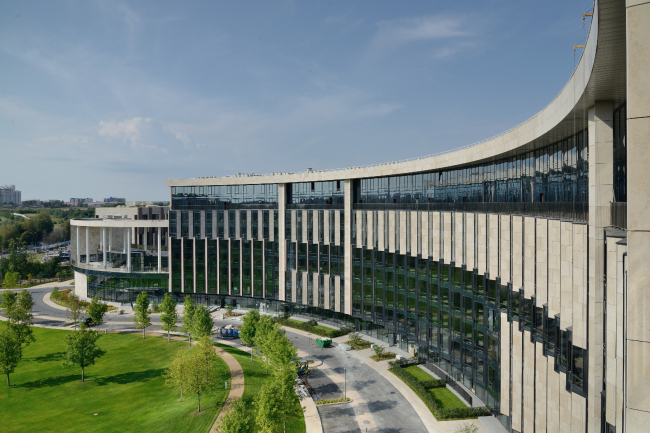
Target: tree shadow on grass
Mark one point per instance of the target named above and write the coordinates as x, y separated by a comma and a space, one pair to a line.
48, 381
55, 356
131, 377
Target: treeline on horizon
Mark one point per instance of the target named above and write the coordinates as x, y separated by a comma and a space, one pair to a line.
49, 226
27, 268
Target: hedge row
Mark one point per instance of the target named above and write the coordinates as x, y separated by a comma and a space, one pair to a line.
308, 327
433, 383
430, 401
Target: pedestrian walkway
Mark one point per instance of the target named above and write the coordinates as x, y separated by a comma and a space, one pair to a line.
236, 384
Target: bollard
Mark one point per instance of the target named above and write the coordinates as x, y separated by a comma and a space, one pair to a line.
226, 384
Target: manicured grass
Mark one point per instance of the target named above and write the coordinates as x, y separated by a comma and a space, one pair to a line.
254, 378
419, 374
446, 398
125, 388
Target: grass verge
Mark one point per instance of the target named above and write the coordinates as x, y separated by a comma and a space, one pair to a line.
320, 330
125, 388
442, 403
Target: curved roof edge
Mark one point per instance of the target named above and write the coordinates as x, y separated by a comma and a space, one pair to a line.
563, 116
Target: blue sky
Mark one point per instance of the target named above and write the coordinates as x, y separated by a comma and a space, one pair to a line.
110, 98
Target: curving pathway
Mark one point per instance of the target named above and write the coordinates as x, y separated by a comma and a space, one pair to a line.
236, 384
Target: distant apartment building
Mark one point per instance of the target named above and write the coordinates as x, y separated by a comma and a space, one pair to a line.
9, 194
81, 200
114, 200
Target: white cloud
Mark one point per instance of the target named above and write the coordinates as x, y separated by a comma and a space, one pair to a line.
432, 28
144, 133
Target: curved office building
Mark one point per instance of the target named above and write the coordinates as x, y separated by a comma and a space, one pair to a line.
514, 267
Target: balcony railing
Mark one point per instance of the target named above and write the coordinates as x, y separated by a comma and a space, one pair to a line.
618, 214
316, 206
577, 211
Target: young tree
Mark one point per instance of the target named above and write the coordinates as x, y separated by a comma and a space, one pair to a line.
197, 379
205, 349
276, 402
141, 312
249, 327
81, 349
188, 317
21, 319
169, 315
8, 302
176, 374
74, 309
263, 327
96, 310
237, 418
12, 279
10, 352
202, 324
277, 350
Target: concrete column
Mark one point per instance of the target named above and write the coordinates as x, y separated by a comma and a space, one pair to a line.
601, 140
110, 238
637, 300
128, 250
159, 250
104, 244
78, 252
87, 245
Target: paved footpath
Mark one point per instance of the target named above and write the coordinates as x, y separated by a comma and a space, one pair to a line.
236, 384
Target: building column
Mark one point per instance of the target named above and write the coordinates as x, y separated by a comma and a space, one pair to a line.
637, 298
78, 252
601, 194
159, 250
87, 245
128, 251
104, 245
110, 238
145, 235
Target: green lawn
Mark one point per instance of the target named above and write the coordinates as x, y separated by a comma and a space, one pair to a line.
125, 388
419, 374
446, 399
254, 377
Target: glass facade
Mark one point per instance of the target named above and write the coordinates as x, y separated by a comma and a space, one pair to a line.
620, 154
329, 193
556, 174
220, 197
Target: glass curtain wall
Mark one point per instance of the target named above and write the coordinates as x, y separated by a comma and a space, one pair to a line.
556, 173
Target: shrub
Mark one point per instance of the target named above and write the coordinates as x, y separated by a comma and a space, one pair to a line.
384, 356
333, 400
434, 383
430, 401
308, 327
357, 343
379, 349
55, 293
467, 428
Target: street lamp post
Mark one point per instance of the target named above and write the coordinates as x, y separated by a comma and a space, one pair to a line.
345, 384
